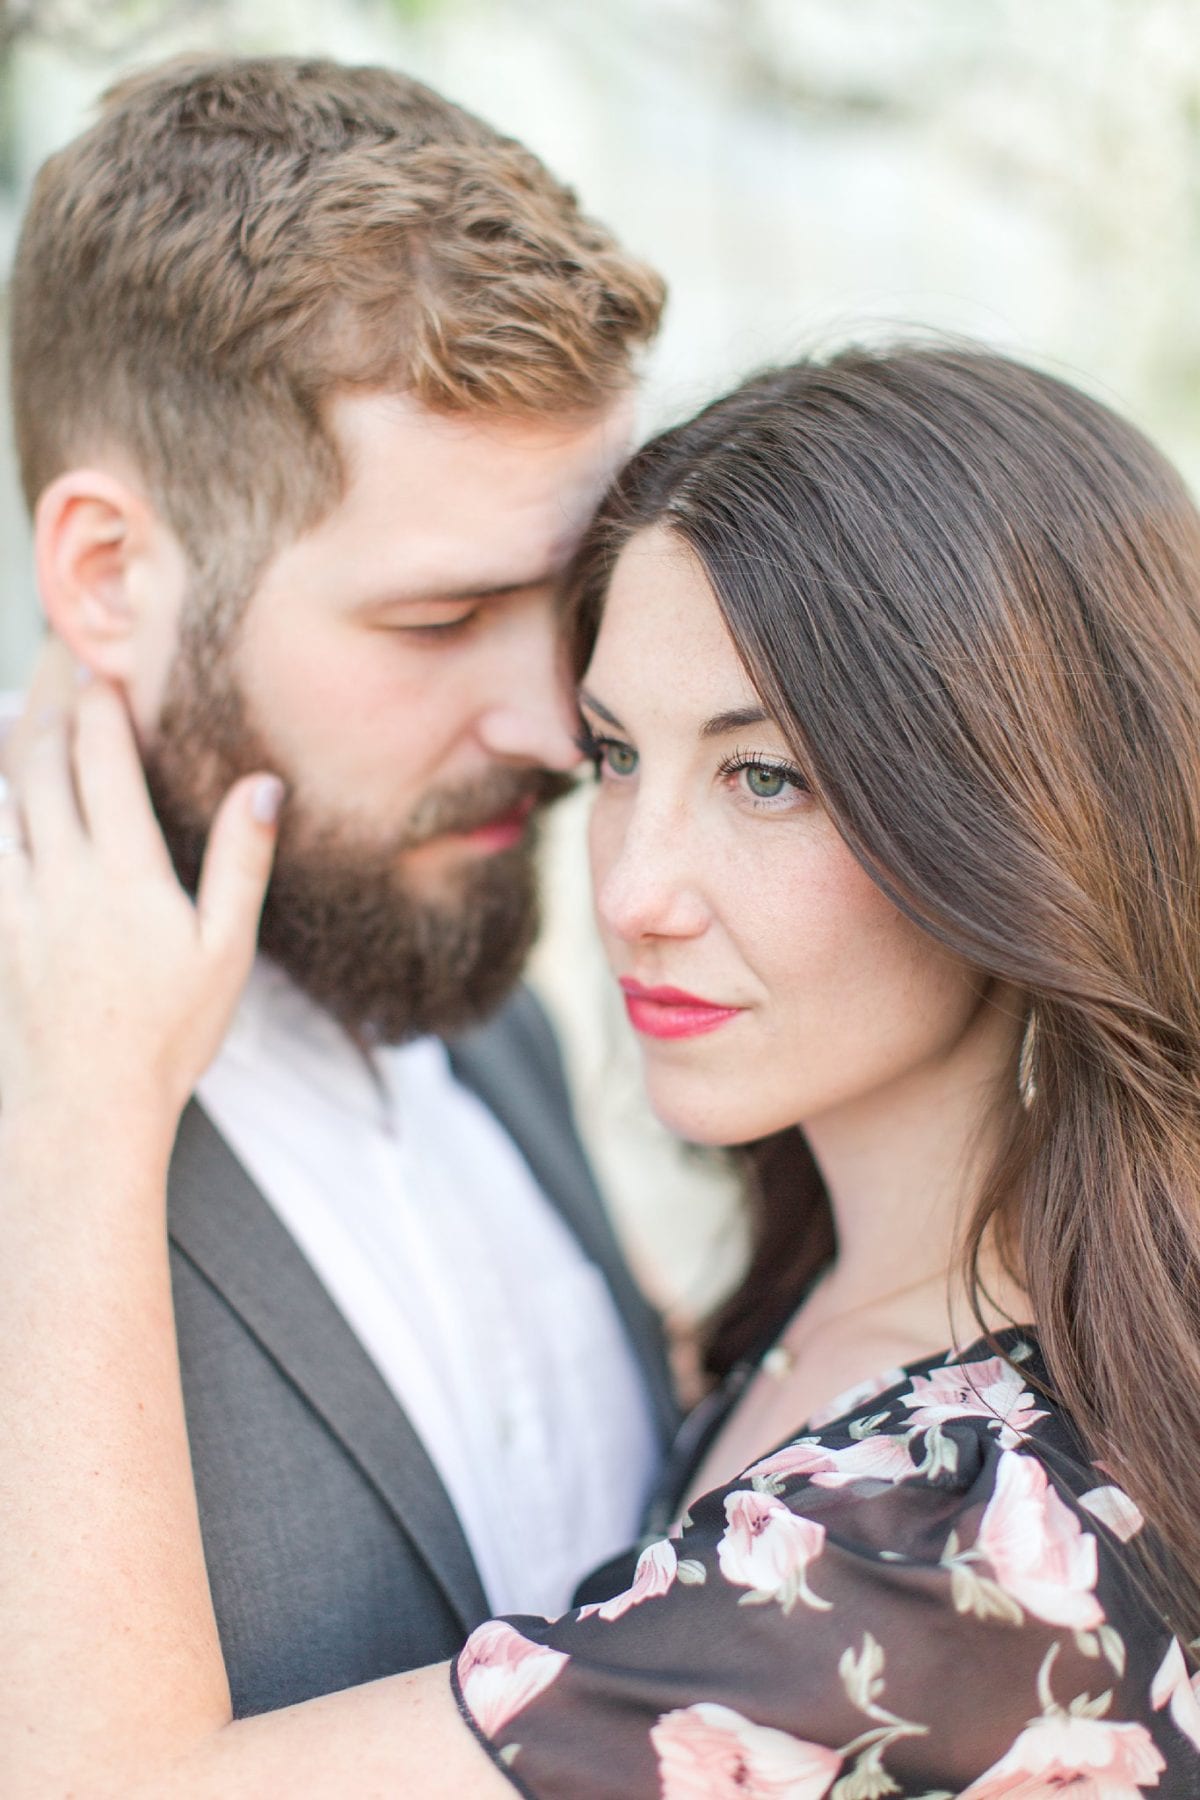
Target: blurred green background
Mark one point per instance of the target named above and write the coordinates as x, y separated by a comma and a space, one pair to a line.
802, 170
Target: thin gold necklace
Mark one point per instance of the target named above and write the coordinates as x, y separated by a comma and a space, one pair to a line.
780, 1360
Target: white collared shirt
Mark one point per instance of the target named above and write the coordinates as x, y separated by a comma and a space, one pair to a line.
481, 1311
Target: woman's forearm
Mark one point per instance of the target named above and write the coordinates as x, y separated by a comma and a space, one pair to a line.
112, 1684
115, 990
108, 1636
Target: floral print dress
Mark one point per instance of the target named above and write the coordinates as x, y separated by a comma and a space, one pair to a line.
930, 1594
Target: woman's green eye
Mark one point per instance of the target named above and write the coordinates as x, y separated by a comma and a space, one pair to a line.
620, 758
764, 783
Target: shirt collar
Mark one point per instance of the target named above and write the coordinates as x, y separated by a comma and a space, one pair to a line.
277, 1025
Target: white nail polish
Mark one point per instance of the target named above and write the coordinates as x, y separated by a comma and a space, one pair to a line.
267, 799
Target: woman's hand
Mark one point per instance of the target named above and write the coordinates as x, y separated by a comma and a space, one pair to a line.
115, 987
115, 991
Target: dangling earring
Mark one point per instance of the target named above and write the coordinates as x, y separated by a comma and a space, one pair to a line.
1026, 1073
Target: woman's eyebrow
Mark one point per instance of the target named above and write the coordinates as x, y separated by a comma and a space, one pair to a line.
593, 705
737, 720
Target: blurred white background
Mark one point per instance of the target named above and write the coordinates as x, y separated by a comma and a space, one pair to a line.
803, 172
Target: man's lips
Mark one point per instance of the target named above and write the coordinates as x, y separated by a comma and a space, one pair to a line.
502, 831
668, 1012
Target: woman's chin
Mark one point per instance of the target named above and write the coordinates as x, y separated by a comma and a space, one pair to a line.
714, 1120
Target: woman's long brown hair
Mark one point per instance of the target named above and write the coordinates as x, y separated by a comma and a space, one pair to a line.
970, 595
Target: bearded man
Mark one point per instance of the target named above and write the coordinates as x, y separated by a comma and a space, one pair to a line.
316, 382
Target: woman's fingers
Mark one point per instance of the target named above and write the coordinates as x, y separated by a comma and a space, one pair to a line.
48, 705
94, 925
44, 791
112, 784
53, 683
14, 856
237, 867
55, 676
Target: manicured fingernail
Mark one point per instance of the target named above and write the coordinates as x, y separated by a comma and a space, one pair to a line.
4, 789
266, 799
82, 674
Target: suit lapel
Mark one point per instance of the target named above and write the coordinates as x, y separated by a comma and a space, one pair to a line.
221, 1222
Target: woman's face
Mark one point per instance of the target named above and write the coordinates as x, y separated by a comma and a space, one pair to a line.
769, 980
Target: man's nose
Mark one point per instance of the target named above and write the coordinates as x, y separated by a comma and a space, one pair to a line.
529, 712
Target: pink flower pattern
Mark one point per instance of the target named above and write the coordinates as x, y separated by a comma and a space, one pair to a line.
767, 1548
655, 1574
873, 1609
710, 1752
1174, 1687
1085, 1759
991, 1390
1113, 1507
1038, 1551
500, 1672
883, 1458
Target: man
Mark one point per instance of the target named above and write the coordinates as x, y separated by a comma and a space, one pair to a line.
316, 380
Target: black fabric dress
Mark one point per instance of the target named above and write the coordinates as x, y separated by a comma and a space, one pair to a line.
930, 1592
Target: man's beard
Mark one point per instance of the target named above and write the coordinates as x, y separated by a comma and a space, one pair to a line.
340, 917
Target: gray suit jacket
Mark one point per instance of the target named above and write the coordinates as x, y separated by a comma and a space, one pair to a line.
333, 1552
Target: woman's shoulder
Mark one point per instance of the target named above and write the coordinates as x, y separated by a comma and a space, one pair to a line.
941, 1421
965, 1463
930, 1588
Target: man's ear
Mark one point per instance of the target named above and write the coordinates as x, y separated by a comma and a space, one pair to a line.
103, 557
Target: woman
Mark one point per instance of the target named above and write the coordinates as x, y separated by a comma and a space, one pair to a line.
891, 675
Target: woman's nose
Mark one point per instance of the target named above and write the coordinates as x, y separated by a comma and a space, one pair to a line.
646, 880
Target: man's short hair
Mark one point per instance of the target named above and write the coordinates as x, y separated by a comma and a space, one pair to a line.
235, 240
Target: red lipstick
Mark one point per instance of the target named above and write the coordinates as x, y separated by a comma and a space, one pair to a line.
667, 1012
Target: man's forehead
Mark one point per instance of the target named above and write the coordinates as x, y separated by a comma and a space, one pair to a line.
473, 500
392, 442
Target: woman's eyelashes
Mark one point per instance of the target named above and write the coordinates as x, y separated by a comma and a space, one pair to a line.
607, 755
771, 784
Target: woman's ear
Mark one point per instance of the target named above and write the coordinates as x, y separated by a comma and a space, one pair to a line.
97, 539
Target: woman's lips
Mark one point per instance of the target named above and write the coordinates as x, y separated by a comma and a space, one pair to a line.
667, 1012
